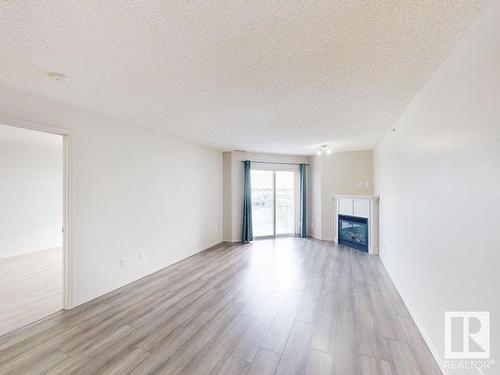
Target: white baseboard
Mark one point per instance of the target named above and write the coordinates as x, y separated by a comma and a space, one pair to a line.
424, 334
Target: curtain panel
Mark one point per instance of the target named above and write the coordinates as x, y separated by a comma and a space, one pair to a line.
247, 232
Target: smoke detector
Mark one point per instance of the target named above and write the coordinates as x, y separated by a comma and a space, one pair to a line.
59, 77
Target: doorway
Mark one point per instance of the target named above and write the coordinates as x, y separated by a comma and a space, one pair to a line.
32, 241
273, 202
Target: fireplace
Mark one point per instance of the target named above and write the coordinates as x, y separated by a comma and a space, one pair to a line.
353, 232
356, 221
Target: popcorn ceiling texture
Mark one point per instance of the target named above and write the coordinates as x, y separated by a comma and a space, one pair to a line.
262, 76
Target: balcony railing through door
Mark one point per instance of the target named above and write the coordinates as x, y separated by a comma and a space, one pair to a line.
273, 202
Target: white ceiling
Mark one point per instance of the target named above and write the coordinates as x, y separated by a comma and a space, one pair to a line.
30, 137
264, 76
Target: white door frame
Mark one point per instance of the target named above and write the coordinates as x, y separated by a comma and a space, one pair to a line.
67, 197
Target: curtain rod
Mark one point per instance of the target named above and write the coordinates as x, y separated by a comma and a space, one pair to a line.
273, 162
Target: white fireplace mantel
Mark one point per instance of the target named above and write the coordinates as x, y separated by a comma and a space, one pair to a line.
365, 206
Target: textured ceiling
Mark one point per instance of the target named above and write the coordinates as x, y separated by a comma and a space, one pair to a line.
265, 76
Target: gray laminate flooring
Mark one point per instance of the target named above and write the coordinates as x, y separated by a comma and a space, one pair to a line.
31, 288
285, 306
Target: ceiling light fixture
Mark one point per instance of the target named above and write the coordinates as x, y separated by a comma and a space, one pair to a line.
324, 149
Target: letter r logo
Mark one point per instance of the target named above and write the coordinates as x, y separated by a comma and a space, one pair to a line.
467, 334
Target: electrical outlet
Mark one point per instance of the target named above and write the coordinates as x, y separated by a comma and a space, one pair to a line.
142, 256
123, 262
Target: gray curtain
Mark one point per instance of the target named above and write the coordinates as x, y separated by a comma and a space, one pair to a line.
303, 200
247, 232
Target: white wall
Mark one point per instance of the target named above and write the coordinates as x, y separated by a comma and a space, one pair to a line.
233, 196
227, 200
316, 208
439, 180
349, 173
134, 189
30, 197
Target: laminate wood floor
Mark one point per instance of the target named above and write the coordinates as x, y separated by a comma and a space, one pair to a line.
285, 306
31, 288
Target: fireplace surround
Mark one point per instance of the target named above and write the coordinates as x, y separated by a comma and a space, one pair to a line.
355, 220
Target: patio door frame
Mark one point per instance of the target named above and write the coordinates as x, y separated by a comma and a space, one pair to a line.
275, 235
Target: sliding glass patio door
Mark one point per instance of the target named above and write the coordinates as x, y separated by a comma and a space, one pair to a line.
285, 202
273, 202
262, 203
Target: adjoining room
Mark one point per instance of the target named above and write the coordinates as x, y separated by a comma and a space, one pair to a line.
31, 226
